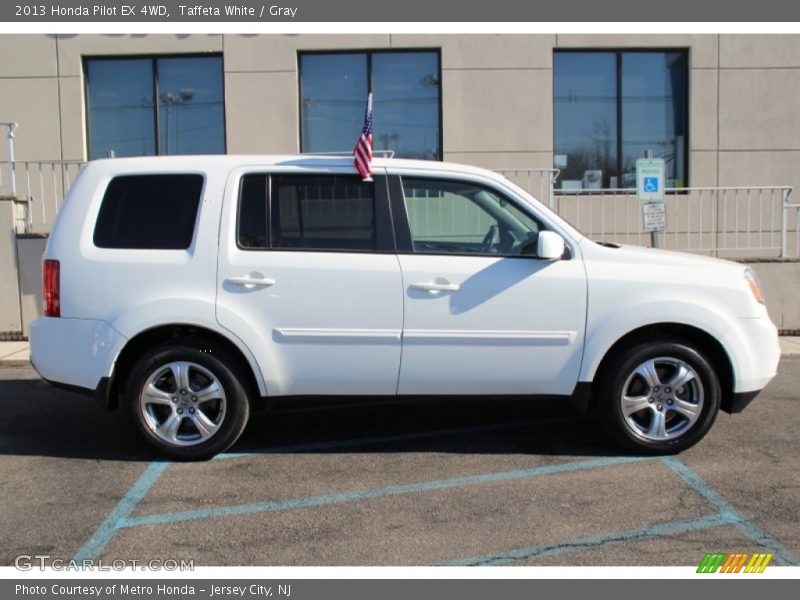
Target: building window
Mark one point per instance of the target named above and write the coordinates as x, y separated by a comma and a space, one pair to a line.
610, 108
406, 101
147, 106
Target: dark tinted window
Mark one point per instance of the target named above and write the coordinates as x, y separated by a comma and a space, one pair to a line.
253, 212
149, 212
322, 212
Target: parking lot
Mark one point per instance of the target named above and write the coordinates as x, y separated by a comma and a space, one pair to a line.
377, 482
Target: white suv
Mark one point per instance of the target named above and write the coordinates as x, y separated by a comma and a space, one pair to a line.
186, 288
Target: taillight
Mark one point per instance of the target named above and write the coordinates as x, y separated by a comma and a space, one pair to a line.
51, 288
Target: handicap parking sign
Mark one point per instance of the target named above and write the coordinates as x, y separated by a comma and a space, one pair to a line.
650, 179
650, 184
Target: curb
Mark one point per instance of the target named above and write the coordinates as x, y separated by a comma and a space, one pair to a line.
15, 362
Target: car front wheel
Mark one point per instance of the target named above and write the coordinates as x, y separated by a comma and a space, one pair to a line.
659, 397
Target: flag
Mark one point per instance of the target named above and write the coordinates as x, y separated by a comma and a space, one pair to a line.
362, 154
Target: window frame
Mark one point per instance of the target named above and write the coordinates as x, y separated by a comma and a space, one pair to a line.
369, 53
618, 52
384, 230
198, 213
402, 224
153, 58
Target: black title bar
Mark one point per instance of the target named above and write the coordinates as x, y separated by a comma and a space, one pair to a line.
465, 11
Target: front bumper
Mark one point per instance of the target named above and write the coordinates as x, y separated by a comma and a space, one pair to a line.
754, 351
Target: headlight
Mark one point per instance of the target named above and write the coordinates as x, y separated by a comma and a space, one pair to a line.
755, 287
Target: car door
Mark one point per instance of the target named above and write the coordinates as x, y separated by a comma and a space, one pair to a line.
309, 280
483, 314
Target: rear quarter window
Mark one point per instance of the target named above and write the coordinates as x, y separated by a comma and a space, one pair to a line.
149, 212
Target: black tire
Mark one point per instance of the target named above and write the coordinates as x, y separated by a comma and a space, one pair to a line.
639, 431
228, 412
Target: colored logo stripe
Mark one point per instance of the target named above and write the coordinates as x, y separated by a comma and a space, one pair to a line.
758, 563
733, 563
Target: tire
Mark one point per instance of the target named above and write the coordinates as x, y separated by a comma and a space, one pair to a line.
186, 401
643, 410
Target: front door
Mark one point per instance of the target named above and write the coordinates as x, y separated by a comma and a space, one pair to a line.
482, 314
308, 279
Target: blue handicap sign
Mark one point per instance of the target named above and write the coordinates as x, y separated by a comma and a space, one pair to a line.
650, 184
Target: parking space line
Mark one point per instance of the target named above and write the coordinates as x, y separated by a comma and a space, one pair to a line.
100, 538
352, 496
103, 534
734, 517
592, 542
401, 437
119, 517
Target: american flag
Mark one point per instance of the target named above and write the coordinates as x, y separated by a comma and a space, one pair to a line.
362, 154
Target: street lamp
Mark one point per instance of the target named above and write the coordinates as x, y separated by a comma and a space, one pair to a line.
170, 99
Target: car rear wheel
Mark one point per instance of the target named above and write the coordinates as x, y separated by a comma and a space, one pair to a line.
658, 397
187, 401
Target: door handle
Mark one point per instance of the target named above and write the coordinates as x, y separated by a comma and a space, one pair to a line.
436, 287
250, 282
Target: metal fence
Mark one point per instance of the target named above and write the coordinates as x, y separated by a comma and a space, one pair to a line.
742, 222
41, 186
539, 183
720, 221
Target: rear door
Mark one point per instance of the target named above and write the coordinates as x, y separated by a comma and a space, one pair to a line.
308, 278
483, 314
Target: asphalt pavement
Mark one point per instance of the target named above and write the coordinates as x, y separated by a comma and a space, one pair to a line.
377, 482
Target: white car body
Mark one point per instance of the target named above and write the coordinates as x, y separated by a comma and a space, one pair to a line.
342, 323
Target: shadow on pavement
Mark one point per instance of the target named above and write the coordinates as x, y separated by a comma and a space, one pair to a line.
39, 420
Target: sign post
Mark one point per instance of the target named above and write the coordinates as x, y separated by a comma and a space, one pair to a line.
650, 193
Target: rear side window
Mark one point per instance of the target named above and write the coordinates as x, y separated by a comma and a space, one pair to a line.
149, 212
307, 212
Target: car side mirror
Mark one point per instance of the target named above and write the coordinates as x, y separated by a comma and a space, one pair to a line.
550, 245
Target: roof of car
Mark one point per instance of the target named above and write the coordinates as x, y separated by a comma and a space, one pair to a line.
282, 160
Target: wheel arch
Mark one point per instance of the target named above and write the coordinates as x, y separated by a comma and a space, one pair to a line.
704, 341
178, 332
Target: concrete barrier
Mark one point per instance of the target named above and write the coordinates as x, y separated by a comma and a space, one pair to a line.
780, 283
10, 314
29, 255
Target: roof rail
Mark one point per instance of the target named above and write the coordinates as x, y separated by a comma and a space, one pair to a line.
378, 153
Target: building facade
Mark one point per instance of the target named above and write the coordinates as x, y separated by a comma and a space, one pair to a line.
719, 108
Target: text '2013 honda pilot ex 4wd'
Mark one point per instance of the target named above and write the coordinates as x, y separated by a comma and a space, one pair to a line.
183, 289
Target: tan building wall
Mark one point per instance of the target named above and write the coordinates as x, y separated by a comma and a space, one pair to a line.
497, 94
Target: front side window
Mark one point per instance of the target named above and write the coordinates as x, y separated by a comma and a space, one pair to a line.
406, 101
149, 212
611, 107
454, 217
149, 106
306, 212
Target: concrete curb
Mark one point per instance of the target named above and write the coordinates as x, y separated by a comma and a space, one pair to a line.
14, 354
14, 362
